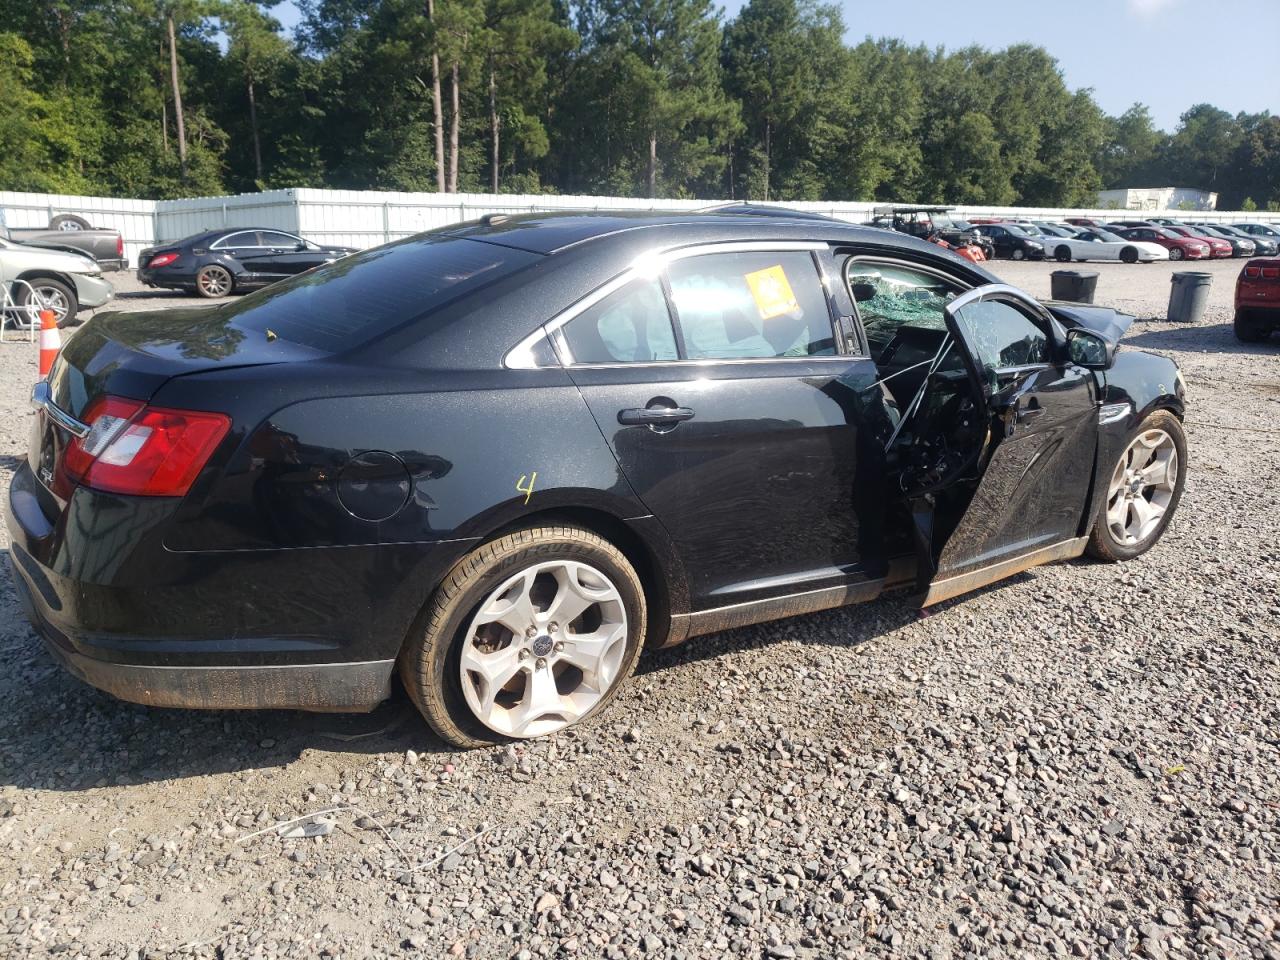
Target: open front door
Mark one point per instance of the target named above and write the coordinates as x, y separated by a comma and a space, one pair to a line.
1025, 503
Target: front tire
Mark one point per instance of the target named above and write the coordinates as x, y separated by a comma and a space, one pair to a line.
528, 634
1129, 255
1143, 492
56, 295
1018, 254
1062, 254
214, 282
1177, 253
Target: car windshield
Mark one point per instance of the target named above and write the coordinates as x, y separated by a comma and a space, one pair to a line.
350, 301
1108, 236
1168, 234
1017, 228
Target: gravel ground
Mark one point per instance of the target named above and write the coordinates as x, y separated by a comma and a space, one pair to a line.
1079, 761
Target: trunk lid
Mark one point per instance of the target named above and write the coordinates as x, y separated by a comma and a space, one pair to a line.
132, 355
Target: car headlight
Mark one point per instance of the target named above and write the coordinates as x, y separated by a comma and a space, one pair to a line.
1034, 245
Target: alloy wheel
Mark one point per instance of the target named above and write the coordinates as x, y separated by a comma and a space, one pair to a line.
1142, 487
51, 298
214, 283
543, 648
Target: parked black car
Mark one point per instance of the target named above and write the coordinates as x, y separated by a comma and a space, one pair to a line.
502, 457
217, 263
927, 222
1242, 245
1011, 241
1263, 246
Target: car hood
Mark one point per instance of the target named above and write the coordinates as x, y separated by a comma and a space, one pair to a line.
21, 256
1106, 322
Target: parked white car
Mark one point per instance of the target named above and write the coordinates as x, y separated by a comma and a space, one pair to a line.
1096, 244
64, 282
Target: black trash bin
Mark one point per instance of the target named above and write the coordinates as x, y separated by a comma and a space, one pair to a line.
1076, 286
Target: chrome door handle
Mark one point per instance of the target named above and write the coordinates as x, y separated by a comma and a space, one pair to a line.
649, 416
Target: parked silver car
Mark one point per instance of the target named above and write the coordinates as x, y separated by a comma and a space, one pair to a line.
65, 282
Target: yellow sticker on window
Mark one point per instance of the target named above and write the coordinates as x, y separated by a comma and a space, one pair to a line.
772, 292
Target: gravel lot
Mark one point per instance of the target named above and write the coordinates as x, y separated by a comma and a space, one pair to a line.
1080, 761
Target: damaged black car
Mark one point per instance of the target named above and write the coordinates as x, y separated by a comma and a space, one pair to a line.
502, 458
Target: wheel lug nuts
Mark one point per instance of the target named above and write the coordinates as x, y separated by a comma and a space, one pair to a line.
542, 664
553, 626
559, 646
531, 632
524, 654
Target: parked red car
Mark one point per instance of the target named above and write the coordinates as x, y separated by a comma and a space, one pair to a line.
1179, 247
1217, 248
1258, 300
1086, 222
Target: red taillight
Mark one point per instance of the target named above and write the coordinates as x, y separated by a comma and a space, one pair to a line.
119, 246
143, 451
162, 260
1253, 273
1271, 273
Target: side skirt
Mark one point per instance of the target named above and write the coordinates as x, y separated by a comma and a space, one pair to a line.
901, 573
952, 586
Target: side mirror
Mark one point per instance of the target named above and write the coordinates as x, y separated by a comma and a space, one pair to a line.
302, 245
1088, 349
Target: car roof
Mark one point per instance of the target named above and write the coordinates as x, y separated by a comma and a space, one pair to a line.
549, 233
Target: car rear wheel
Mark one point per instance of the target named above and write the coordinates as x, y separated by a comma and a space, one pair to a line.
1062, 254
1176, 253
54, 295
1250, 330
213, 281
529, 634
1143, 491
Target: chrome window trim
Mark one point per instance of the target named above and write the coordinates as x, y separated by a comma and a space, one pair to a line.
520, 357
221, 242
651, 264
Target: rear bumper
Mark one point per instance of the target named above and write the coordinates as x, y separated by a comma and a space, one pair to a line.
313, 686
309, 629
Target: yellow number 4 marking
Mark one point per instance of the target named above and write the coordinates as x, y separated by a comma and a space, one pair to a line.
526, 490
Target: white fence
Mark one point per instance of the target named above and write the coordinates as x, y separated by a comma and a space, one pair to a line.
366, 218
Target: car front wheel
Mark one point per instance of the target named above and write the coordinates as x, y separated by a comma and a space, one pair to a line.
1143, 491
528, 634
1176, 253
53, 295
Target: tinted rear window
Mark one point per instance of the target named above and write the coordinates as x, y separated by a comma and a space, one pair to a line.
350, 301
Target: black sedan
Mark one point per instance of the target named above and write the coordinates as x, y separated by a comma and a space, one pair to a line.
217, 263
503, 457
1012, 241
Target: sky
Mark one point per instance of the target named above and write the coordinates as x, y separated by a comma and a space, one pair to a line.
1168, 54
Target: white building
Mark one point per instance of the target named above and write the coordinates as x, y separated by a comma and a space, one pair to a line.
1158, 198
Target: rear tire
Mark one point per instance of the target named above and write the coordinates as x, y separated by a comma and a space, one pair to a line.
214, 282
1249, 330
1062, 254
1143, 491
527, 565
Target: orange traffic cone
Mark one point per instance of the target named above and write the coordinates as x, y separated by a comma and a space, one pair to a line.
50, 342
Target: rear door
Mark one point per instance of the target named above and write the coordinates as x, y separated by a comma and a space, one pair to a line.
246, 248
739, 426
1031, 499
